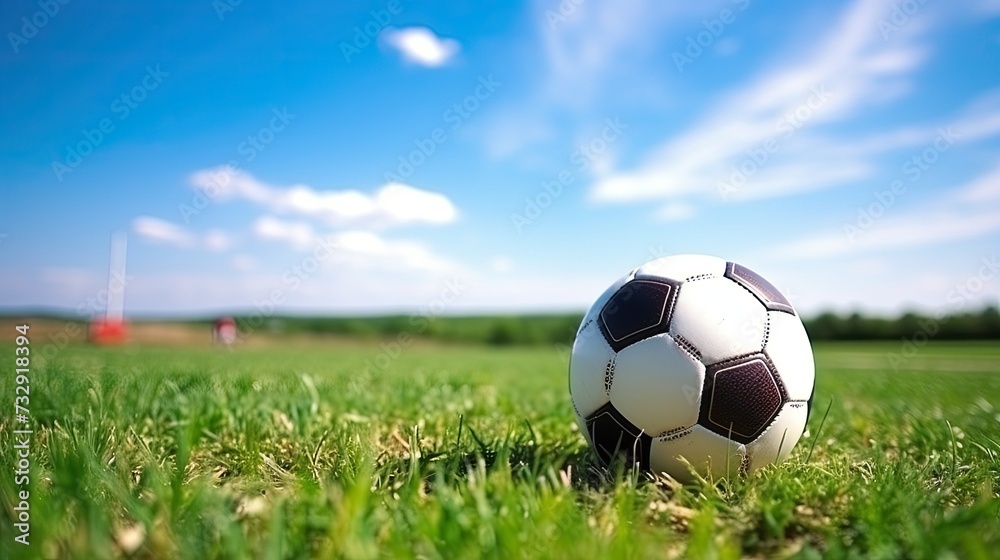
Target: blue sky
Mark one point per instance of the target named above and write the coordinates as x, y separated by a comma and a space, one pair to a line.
404, 156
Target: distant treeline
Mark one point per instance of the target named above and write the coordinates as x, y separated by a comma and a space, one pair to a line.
560, 329
981, 325
497, 330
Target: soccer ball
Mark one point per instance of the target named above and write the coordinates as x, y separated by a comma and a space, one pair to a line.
691, 364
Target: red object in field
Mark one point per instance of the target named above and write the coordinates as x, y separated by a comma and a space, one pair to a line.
224, 331
111, 329
107, 332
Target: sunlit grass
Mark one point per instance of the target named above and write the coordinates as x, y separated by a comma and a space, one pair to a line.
462, 452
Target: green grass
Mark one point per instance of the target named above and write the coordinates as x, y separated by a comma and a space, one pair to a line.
469, 452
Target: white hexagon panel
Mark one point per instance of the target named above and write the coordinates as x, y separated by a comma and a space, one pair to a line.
706, 452
683, 268
719, 318
590, 368
788, 347
657, 385
777, 441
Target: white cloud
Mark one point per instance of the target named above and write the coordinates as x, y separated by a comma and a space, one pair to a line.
163, 232
244, 263
299, 235
675, 212
421, 46
964, 212
911, 230
217, 240
981, 119
501, 264
512, 130
405, 204
356, 249
586, 50
851, 67
796, 177
600, 39
983, 188
160, 231
366, 250
393, 204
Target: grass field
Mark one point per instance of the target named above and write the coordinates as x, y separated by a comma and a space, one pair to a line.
465, 451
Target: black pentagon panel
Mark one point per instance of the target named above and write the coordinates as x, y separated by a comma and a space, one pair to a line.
638, 310
614, 436
759, 287
741, 398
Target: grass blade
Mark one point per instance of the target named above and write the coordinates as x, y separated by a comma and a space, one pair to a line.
819, 430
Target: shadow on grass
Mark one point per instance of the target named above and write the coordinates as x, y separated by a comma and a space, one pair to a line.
517, 455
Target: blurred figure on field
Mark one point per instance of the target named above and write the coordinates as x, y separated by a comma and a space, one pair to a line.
224, 331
